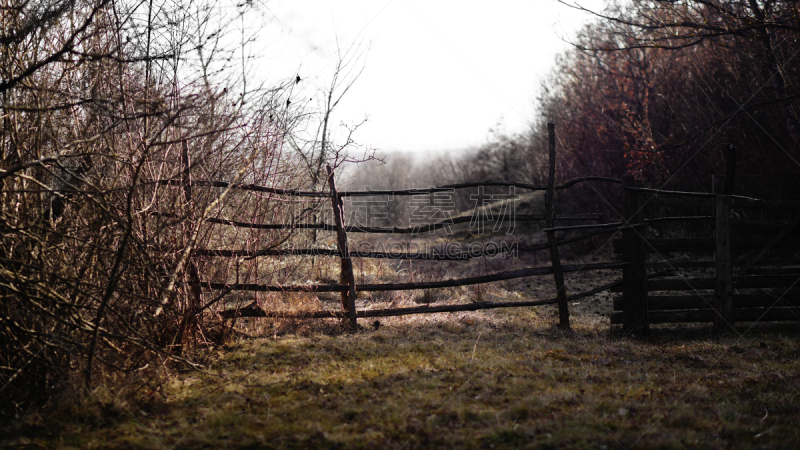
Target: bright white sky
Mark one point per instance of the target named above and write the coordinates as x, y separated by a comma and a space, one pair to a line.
438, 75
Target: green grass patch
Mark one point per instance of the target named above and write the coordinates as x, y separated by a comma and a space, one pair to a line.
477, 380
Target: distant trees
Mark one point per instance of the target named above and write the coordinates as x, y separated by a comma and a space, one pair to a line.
397, 171
695, 74
655, 89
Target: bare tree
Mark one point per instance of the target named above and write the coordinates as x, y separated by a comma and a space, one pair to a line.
112, 114
322, 148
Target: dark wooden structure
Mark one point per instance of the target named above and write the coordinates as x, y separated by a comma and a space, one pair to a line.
707, 257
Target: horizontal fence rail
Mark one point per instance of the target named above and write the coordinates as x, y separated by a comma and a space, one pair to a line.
397, 192
443, 255
249, 311
416, 229
532, 271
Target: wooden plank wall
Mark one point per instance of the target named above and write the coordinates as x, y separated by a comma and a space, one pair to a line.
706, 257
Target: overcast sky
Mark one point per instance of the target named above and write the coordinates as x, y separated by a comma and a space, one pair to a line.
437, 75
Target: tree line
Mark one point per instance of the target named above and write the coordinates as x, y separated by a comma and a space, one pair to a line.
659, 90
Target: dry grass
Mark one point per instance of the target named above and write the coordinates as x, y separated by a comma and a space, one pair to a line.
503, 379
493, 379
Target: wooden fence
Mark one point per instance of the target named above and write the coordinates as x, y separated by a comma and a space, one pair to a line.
347, 285
707, 257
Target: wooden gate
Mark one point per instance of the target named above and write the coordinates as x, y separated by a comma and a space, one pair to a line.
707, 257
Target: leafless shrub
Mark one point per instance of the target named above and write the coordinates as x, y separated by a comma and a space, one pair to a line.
110, 112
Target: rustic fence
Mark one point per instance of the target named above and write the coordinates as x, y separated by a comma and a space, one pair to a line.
347, 285
707, 257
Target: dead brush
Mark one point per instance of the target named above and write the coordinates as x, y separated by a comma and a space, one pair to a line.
477, 293
290, 303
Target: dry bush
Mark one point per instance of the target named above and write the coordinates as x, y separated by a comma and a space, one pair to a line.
653, 95
107, 123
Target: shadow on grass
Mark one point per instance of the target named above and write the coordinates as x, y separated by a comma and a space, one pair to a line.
502, 380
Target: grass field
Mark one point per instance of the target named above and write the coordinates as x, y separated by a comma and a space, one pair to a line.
496, 379
489, 379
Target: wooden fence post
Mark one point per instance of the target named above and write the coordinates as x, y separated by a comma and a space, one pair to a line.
561, 291
195, 289
730, 168
346, 276
723, 284
634, 275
